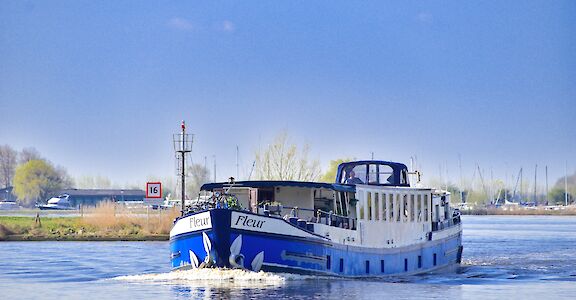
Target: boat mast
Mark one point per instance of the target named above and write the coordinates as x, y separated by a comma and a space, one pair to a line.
546, 168
182, 145
461, 182
535, 172
566, 183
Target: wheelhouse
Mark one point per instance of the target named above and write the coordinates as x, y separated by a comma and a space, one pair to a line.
373, 173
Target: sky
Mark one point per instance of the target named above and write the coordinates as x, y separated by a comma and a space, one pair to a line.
99, 87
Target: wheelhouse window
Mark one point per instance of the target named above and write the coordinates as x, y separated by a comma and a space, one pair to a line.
369, 203
385, 174
373, 172
355, 175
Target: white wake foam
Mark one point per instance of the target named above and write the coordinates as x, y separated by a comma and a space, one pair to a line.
217, 277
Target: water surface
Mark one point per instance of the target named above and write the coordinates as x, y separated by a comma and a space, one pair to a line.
514, 257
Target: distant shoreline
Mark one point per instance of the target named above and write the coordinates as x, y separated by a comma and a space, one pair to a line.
25, 228
570, 211
27, 238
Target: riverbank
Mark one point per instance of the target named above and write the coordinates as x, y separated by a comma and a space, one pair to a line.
520, 211
71, 229
106, 222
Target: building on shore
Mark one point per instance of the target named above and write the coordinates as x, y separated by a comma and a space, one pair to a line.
91, 197
6, 194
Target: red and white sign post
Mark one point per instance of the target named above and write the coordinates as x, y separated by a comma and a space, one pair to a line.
153, 193
153, 190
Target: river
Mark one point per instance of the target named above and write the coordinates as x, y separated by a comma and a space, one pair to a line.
505, 257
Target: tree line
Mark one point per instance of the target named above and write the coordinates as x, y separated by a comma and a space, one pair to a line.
33, 177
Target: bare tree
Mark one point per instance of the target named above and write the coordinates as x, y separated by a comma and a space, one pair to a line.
197, 176
7, 165
29, 154
282, 161
93, 182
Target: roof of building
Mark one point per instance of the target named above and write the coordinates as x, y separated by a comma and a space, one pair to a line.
7, 189
103, 192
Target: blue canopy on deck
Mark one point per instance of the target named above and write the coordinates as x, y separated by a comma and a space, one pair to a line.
272, 183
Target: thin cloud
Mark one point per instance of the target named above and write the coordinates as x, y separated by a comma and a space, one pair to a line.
180, 24
228, 26
425, 17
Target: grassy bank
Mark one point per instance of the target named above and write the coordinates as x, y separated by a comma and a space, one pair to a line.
107, 222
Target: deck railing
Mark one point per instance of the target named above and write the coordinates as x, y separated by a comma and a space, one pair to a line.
441, 225
332, 219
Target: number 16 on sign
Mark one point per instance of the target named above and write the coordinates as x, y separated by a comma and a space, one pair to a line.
153, 190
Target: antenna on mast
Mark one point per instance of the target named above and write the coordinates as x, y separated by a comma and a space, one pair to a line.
237, 165
182, 145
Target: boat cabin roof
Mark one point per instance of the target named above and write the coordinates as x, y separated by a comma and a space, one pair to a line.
373, 172
275, 183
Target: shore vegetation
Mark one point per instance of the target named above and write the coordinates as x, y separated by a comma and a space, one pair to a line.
107, 221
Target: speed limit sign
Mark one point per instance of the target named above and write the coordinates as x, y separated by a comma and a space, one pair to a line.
153, 190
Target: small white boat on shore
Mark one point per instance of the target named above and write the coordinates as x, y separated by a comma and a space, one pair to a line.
58, 203
9, 205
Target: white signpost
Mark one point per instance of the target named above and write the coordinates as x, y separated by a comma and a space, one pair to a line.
153, 193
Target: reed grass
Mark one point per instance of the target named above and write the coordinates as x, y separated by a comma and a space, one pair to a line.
106, 221
110, 217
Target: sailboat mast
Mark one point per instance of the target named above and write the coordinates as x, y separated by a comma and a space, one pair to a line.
535, 172
546, 168
566, 183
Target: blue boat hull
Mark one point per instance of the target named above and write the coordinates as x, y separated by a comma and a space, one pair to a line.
307, 253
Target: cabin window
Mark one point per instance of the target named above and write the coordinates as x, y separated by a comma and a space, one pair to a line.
412, 208
403, 177
405, 207
384, 201
426, 208
367, 267
419, 207
361, 173
391, 209
377, 206
398, 208
382, 266
265, 195
434, 259
360, 209
405, 265
341, 265
373, 174
328, 262
369, 202
385, 174
344, 203
419, 261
